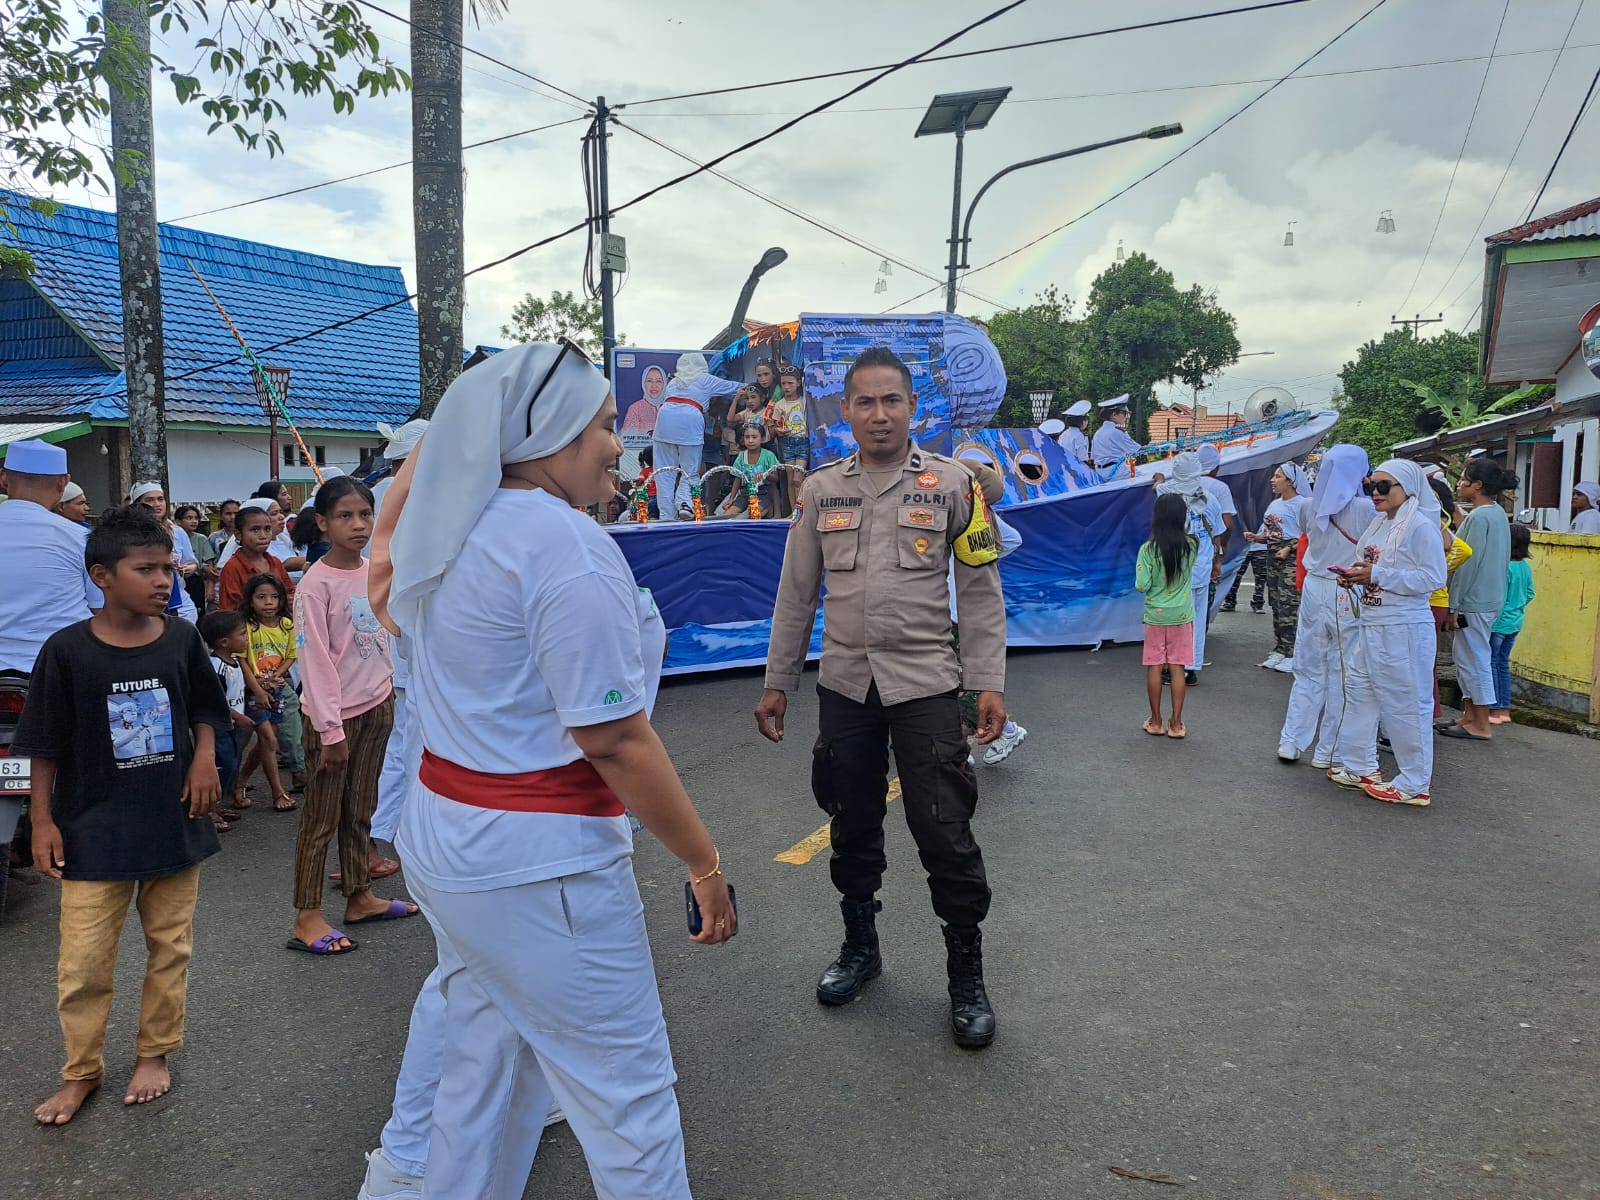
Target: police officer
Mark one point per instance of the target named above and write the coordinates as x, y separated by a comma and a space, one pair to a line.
884, 524
1073, 440
1112, 443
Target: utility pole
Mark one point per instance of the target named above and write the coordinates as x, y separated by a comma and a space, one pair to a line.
955, 219
1416, 322
608, 309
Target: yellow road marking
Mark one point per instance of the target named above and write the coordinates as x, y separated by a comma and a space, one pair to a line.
808, 848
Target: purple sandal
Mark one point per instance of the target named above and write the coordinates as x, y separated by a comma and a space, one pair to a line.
325, 946
397, 910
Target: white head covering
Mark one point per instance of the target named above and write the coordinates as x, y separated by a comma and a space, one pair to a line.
74, 492
144, 489
1210, 457
1338, 482
1591, 490
483, 423
1296, 475
260, 503
1053, 427
1185, 482
690, 367
1115, 402
403, 440
1080, 409
1420, 497
36, 458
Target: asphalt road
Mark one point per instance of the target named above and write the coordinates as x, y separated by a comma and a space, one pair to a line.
1207, 966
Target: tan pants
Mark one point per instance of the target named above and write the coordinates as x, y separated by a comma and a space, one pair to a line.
341, 803
92, 915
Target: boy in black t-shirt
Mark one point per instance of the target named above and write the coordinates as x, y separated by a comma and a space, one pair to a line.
121, 722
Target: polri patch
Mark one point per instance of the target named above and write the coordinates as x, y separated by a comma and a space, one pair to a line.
927, 480
799, 512
920, 516
921, 544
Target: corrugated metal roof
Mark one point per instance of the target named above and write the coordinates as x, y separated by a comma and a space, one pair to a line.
346, 378
1578, 221
30, 430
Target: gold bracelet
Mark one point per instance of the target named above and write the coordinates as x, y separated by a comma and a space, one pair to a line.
716, 869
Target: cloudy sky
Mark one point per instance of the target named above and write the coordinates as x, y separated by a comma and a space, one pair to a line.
1407, 111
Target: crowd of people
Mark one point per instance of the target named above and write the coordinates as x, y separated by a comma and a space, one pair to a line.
338, 651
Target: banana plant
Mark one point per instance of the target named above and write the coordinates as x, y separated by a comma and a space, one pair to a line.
1459, 409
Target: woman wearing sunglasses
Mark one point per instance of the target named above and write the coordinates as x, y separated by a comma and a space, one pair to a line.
534, 662
1399, 562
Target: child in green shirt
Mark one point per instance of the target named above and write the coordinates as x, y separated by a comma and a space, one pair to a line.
1162, 574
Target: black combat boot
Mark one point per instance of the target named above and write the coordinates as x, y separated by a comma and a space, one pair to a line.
858, 959
971, 1014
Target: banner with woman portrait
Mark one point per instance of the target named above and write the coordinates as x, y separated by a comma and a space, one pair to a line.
639, 381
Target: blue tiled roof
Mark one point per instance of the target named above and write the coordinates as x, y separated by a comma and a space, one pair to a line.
347, 378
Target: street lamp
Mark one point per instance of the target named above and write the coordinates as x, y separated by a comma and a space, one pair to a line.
1154, 132
278, 378
1040, 399
957, 112
735, 327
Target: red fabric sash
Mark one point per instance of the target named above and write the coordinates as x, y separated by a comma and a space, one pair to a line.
689, 402
575, 789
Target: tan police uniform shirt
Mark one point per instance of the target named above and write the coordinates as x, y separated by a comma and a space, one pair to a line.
886, 548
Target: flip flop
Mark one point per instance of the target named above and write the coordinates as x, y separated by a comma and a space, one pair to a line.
1177, 736
1154, 732
398, 910
284, 803
1466, 735
323, 947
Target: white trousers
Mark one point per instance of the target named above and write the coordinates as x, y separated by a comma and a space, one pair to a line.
401, 761
1474, 670
550, 993
1327, 643
1199, 595
677, 465
405, 1136
1392, 682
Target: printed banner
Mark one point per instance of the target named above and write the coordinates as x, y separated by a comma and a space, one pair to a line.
639, 382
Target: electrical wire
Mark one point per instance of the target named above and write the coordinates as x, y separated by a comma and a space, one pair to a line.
1194, 145
1070, 37
1460, 154
1565, 142
1153, 91
800, 214
311, 187
639, 199
555, 87
1527, 125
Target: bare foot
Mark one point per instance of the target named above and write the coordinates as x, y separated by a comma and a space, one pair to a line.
1177, 729
1155, 726
64, 1105
150, 1080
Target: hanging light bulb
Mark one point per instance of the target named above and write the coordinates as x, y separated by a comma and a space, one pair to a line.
1288, 235
1121, 257
881, 286
1386, 221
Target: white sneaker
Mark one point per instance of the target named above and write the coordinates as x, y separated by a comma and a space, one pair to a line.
1349, 779
1286, 665
1321, 764
1001, 749
1288, 752
1271, 660
385, 1181
685, 513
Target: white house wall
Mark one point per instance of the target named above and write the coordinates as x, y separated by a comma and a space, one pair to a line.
206, 468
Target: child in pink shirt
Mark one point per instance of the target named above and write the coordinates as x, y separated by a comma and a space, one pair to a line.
347, 679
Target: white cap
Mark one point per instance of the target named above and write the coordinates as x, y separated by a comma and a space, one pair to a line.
1052, 427
1117, 402
403, 440
1080, 409
36, 458
1210, 456
72, 492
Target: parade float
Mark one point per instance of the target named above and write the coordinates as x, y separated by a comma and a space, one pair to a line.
1070, 583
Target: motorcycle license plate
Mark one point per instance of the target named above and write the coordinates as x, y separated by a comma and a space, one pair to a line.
16, 774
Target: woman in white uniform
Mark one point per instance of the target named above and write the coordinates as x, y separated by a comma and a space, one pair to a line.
1585, 508
1328, 637
150, 496
680, 433
1399, 562
514, 836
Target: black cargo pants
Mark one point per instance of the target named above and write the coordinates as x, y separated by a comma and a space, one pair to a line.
850, 779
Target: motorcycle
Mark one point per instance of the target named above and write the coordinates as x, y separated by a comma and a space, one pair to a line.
16, 779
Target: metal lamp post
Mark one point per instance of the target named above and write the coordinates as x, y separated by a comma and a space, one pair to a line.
1040, 399
734, 330
278, 377
957, 112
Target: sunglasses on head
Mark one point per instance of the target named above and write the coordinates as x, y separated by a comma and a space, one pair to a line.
567, 345
1380, 487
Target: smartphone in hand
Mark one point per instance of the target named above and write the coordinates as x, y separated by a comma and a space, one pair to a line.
693, 907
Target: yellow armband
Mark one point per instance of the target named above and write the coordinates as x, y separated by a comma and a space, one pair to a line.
978, 544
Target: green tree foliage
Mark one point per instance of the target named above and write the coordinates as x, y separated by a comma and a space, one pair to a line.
1039, 346
1382, 403
58, 59
1141, 330
561, 316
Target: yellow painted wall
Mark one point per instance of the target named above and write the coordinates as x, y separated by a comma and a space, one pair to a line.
1557, 643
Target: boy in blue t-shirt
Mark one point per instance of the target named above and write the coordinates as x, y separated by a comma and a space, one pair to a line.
121, 722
